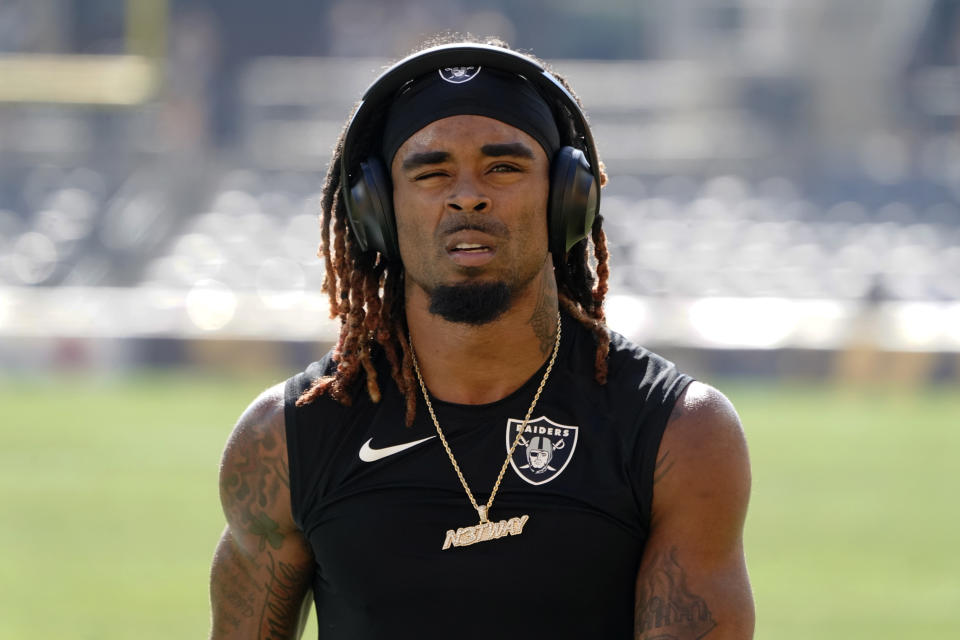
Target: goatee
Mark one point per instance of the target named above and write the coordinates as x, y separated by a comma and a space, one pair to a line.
470, 303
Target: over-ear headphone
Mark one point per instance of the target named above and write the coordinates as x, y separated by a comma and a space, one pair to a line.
574, 170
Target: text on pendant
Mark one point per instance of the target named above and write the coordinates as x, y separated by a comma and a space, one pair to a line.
465, 536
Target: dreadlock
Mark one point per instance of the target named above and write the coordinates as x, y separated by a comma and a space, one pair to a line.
366, 290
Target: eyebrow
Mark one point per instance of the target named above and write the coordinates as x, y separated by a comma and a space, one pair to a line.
517, 149
417, 160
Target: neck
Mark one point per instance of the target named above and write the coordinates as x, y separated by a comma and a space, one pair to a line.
470, 364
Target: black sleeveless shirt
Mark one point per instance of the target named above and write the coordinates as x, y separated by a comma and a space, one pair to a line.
376, 500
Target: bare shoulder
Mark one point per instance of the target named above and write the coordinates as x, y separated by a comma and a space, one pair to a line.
262, 421
254, 472
704, 421
703, 455
702, 407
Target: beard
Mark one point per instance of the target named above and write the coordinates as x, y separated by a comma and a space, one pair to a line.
473, 303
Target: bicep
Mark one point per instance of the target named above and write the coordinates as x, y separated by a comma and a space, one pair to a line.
263, 567
260, 594
693, 580
683, 595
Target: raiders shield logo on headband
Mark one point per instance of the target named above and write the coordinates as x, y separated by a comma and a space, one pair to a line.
459, 75
544, 451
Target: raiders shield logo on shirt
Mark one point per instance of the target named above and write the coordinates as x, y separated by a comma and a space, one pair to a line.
544, 451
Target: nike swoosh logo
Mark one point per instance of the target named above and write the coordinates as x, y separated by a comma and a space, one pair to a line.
369, 454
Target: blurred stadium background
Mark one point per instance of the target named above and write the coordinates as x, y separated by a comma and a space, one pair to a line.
784, 220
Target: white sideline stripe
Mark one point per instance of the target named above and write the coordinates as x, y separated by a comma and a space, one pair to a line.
717, 323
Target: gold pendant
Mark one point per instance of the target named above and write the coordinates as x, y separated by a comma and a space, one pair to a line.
466, 536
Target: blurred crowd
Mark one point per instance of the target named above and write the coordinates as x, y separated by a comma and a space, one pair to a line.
757, 148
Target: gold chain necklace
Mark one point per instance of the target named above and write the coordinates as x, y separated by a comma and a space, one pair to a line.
486, 530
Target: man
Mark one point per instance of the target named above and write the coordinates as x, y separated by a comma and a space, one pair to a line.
391, 478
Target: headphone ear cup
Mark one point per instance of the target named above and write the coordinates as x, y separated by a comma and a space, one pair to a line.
370, 210
573, 200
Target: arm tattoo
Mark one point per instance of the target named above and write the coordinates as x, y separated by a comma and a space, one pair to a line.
267, 530
234, 590
544, 318
281, 610
663, 466
666, 610
252, 481
665, 462
239, 603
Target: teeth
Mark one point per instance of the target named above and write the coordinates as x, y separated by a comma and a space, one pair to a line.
466, 246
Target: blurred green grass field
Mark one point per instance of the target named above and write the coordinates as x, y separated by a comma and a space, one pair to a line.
110, 510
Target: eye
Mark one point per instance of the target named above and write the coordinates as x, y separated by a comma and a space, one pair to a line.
504, 168
430, 174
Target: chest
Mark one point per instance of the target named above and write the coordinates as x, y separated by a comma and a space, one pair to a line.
390, 511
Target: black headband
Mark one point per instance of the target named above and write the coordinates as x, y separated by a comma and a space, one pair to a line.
476, 90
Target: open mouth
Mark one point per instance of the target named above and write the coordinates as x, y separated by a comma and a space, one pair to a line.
471, 254
469, 247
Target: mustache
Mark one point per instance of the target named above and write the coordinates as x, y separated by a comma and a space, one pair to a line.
472, 222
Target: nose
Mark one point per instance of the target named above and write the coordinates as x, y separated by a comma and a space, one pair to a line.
467, 196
